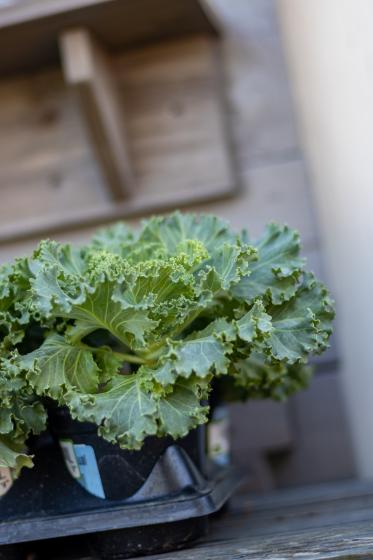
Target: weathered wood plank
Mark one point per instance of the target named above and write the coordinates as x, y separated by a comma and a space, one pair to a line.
87, 69
258, 86
277, 192
30, 29
176, 131
275, 433
46, 164
179, 137
322, 447
319, 523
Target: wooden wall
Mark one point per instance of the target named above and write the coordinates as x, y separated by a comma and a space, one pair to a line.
307, 439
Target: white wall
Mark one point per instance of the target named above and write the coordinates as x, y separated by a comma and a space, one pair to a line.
329, 46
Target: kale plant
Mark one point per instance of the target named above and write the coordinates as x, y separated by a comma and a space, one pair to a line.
131, 330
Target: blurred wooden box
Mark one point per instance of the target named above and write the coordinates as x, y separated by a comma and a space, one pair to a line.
108, 109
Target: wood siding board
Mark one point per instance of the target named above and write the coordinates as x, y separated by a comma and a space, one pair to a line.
321, 522
30, 31
322, 447
87, 69
176, 136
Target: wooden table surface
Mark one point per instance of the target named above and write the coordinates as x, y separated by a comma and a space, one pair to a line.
318, 522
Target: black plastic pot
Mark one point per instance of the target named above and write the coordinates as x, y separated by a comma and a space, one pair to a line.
11, 552
107, 471
6, 481
170, 490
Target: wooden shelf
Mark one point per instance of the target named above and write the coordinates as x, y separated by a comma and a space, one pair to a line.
29, 29
119, 132
327, 521
168, 102
87, 68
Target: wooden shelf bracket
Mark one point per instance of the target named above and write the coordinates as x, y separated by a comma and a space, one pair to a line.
86, 67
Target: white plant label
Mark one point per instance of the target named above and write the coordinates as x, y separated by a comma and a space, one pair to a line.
81, 463
71, 462
6, 480
218, 436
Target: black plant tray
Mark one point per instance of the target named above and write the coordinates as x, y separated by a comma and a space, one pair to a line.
47, 512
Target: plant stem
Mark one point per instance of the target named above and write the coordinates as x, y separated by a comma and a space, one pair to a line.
131, 358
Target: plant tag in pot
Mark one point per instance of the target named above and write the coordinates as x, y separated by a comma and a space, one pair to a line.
6, 480
81, 463
218, 436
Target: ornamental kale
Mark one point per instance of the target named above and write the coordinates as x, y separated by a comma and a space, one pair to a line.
131, 330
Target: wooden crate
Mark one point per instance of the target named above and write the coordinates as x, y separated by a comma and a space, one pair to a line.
114, 127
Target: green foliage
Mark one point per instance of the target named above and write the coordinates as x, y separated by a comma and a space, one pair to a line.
21, 414
131, 330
